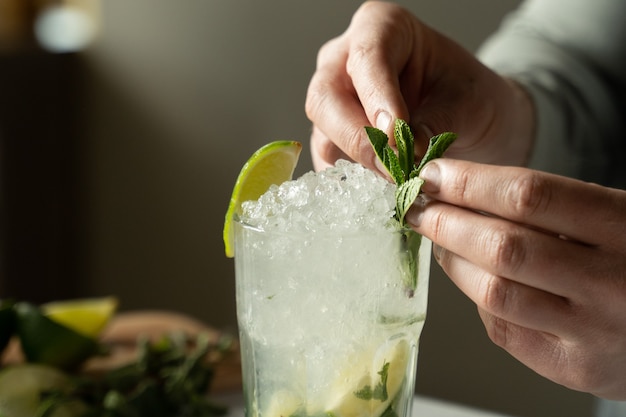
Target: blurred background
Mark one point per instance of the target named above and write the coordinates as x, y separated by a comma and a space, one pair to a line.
123, 126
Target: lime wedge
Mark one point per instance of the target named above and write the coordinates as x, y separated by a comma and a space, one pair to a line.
346, 403
273, 163
21, 387
47, 342
87, 316
355, 390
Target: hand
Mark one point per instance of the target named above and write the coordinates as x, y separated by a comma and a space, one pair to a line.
389, 65
543, 257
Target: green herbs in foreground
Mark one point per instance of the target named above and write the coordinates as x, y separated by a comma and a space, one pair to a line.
167, 379
401, 166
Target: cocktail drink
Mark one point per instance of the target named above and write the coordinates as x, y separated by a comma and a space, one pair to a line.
331, 298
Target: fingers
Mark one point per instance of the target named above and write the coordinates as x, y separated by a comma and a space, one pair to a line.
540, 351
509, 300
356, 82
323, 151
579, 344
592, 364
389, 65
543, 257
509, 250
377, 56
579, 211
334, 108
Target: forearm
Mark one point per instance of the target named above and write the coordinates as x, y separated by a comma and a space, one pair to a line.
577, 93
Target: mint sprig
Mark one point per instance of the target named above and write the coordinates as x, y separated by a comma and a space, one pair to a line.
405, 173
401, 166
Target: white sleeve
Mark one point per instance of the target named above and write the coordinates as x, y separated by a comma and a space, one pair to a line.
571, 56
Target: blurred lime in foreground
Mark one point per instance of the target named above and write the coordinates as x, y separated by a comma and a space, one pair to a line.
22, 387
87, 316
47, 342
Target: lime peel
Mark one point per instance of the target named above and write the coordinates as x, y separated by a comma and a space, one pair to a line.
87, 316
273, 163
45, 341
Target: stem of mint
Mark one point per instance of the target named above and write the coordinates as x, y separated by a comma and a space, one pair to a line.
405, 174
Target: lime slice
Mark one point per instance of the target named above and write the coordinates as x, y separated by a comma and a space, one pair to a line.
346, 402
284, 403
87, 316
21, 387
47, 342
273, 163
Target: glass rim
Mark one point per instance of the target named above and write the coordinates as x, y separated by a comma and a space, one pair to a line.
344, 233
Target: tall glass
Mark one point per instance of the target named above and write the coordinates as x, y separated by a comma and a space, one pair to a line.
330, 322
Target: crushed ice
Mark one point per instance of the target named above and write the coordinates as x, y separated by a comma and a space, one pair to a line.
344, 197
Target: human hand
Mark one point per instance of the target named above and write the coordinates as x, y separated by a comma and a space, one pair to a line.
390, 65
544, 259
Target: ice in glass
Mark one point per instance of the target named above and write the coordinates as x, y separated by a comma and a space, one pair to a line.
331, 298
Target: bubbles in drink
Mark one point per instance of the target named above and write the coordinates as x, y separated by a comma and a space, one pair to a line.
326, 325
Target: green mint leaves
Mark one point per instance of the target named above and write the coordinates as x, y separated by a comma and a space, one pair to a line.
379, 392
436, 147
405, 173
168, 378
401, 166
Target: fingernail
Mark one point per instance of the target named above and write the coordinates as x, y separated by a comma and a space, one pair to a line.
381, 169
383, 120
431, 174
437, 252
379, 166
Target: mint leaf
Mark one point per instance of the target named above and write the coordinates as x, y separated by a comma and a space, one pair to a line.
402, 166
411, 244
379, 392
436, 147
405, 143
406, 193
393, 166
384, 152
379, 141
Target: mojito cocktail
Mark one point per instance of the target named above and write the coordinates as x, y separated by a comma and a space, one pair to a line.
331, 298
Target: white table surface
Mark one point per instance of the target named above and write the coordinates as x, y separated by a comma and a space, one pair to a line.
422, 407
430, 407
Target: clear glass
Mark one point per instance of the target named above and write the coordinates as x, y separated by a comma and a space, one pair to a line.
330, 323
